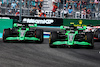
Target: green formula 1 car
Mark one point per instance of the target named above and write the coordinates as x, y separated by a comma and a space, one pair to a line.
23, 32
71, 36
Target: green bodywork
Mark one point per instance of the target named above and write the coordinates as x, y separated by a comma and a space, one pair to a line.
71, 41
67, 43
21, 35
62, 28
22, 38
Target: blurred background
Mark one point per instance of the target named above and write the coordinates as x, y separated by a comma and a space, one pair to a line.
68, 9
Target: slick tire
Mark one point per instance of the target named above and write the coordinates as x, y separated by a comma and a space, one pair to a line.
39, 34
6, 33
90, 39
53, 38
97, 33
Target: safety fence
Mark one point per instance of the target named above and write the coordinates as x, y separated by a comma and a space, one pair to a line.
49, 14
68, 9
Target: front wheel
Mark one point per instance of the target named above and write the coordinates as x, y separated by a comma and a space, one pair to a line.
53, 38
6, 33
39, 34
90, 39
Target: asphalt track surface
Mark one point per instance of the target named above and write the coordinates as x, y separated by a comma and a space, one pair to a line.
41, 55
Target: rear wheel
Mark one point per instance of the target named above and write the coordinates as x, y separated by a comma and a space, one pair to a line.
96, 33
39, 34
90, 39
6, 33
53, 38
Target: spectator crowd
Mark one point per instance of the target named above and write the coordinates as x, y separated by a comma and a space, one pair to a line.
66, 7
85, 7
14, 6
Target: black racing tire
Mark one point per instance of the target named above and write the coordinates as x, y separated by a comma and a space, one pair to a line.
90, 39
6, 33
97, 33
39, 34
53, 37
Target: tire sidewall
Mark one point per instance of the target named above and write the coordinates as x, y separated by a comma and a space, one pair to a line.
39, 34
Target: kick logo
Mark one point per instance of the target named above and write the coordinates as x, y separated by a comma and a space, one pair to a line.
80, 23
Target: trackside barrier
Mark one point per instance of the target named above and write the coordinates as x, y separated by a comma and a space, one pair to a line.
53, 21
82, 22
8, 23
5, 23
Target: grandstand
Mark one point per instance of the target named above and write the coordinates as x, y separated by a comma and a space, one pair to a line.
69, 9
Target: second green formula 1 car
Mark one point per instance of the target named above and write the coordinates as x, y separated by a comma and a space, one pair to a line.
71, 36
23, 32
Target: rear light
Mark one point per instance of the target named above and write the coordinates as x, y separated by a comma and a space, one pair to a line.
95, 38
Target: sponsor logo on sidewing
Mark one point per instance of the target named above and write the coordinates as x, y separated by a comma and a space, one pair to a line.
38, 21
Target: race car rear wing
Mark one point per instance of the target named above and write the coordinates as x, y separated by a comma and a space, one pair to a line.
68, 27
24, 24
